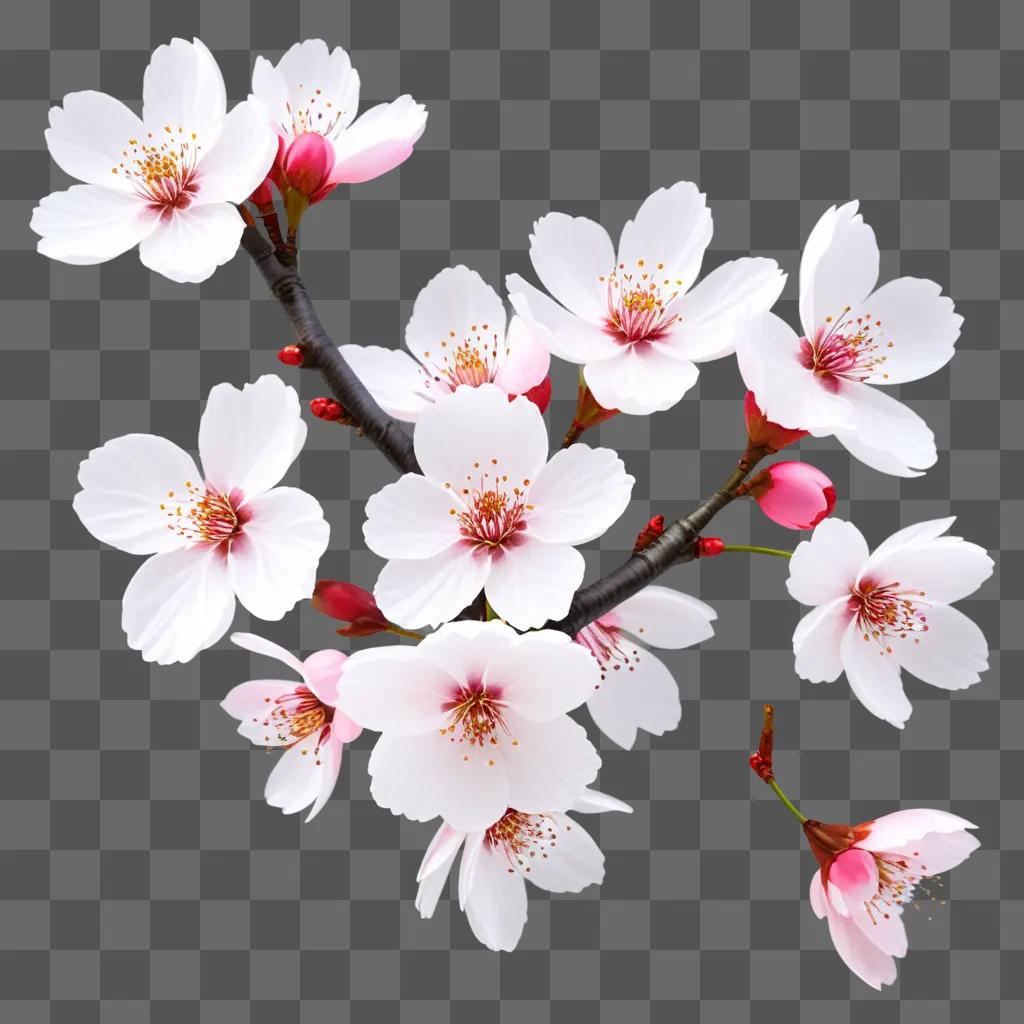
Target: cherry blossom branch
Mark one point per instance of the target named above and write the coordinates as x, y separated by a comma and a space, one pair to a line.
674, 546
321, 353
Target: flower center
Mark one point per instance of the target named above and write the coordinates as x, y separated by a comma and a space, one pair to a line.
637, 303
298, 716
847, 348
886, 612
311, 113
609, 645
203, 515
472, 361
162, 169
899, 876
475, 713
493, 511
521, 837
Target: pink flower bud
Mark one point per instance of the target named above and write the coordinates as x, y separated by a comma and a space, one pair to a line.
762, 432
307, 164
349, 603
793, 494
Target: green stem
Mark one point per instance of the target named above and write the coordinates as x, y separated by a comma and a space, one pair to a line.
788, 803
398, 631
755, 550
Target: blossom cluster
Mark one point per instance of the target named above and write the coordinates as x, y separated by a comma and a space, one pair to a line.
480, 535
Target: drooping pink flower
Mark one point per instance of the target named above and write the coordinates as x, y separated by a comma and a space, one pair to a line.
795, 495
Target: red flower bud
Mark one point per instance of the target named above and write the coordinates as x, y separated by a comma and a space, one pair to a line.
349, 603
651, 532
762, 432
262, 196
326, 409
307, 164
709, 547
291, 355
793, 494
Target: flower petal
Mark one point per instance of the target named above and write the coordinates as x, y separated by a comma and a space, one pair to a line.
258, 645
249, 437
378, 141
177, 604
894, 831
89, 224
87, 137
884, 930
839, 266
828, 565
329, 769
916, 533
125, 485
667, 237
184, 89
819, 904
665, 618
570, 859
240, 158
592, 801
464, 648
477, 435
294, 781
496, 903
936, 852
817, 640
641, 379
874, 677
189, 245
436, 866
951, 655
272, 564
855, 874
872, 965
415, 592
250, 703
411, 518
527, 359
531, 582
312, 75
946, 569
322, 673
572, 256
578, 495
398, 384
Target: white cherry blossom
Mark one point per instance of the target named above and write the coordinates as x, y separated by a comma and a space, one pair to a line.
213, 535
166, 182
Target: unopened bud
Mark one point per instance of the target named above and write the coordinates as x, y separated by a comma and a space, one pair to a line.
326, 409
651, 532
291, 355
349, 603
795, 495
709, 547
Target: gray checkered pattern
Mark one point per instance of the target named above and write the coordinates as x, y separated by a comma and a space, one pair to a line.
144, 879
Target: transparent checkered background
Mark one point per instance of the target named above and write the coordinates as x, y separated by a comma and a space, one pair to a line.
143, 877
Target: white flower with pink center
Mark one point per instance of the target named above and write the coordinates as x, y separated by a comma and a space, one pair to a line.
855, 338
167, 182
474, 720
457, 336
877, 613
310, 98
298, 718
213, 535
636, 690
637, 320
550, 850
490, 512
868, 873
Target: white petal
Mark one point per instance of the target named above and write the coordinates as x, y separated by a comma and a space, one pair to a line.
572, 256
271, 91
428, 591
887, 435
258, 645
272, 564
896, 830
919, 324
330, 769
668, 236
248, 438
396, 381
531, 582
663, 617
641, 694
183, 88
817, 639
87, 137
947, 569
395, 690
578, 495
124, 486
240, 158
935, 853
641, 379
477, 436
295, 780
721, 305
886, 931
828, 565
874, 677
411, 518
89, 224
527, 358
839, 266
951, 655
542, 674
378, 141
819, 904
440, 856
456, 306
177, 604
427, 775
312, 75
592, 801
916, 533
464, 648
568, 336
564, 858
189, 245
496, 903
873, 966
251, 704
550, 766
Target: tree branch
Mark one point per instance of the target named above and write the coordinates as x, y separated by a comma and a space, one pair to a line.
321, 353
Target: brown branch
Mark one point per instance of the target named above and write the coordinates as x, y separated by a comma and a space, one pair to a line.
321, 353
